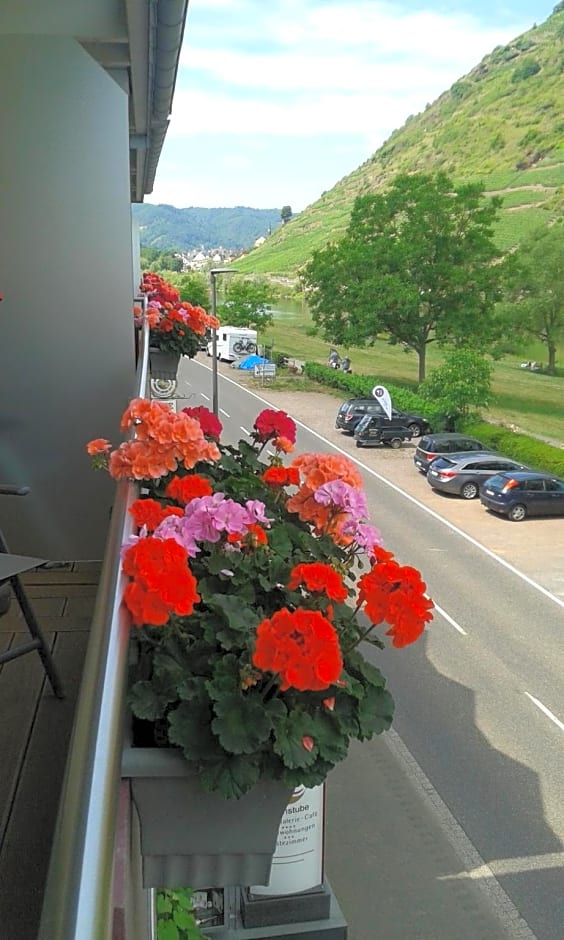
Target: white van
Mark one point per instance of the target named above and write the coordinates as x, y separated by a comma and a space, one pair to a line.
234, 342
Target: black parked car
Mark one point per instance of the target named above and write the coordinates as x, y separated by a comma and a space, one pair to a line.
518, 495
432, 446
372, 430
465, 474
352, 410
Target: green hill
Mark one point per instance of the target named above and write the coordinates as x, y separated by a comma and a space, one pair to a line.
194, 228
501, 124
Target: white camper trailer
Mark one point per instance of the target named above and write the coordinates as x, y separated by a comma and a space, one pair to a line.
234, 342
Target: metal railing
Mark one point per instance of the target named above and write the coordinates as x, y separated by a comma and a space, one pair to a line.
78, 895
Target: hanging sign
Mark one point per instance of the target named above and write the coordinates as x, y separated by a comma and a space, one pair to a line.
297, 864
383, 396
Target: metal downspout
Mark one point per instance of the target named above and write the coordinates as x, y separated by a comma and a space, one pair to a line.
170, 18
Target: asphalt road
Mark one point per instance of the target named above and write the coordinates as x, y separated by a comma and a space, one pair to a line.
480, 699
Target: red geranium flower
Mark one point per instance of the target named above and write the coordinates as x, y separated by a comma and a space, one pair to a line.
159, 569
302, 647
396, 595
184, 489
271, 424
281, 476
210, 424
320, 578
147, 512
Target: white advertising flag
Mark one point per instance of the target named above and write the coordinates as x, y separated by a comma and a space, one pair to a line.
383, 396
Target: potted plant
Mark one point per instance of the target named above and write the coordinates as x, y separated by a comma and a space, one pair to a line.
252, 587
176, 328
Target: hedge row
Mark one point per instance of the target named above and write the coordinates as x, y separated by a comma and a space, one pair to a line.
519, 447
360, 386
511, 444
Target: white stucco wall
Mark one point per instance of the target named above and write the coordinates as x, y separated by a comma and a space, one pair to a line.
66, 345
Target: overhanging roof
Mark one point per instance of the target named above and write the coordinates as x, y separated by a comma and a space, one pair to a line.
143, 56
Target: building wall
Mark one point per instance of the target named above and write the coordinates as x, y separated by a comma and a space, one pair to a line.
66, 273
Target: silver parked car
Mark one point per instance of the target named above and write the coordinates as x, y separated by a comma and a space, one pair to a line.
463, 474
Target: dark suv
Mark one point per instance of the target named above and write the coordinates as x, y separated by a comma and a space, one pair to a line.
352, 410
432, 446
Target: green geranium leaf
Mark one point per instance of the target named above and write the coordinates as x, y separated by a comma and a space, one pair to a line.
241, 723
371, 673
167, 930
345, 714
279, 570
234, 611
276, 709
189, 726
164, 903
375, 712
183, 919
226, 677
191, 687
289, 737
170, 671
248, 454
307, 776
280, 541
218, 562
353, 686
230, 464
231, 778
332, 743
145, 702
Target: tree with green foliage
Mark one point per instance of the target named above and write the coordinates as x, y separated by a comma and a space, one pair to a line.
154, 260
415, 263
194, 288
286, 214
460, 384
534, 293
248, 303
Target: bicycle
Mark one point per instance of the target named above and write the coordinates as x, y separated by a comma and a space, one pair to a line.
244, 346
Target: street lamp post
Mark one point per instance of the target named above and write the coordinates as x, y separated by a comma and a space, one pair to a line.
213, 274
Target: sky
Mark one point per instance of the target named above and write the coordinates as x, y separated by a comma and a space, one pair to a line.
277, 100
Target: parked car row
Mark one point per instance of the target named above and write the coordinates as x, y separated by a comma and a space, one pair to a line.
463, 466
352, 410
455, 463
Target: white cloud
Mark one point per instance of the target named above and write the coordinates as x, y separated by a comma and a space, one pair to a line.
289, 75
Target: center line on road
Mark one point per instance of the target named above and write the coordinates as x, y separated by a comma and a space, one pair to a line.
452, 622
546, 711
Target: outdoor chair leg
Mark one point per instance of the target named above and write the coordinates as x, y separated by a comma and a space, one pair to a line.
38, 641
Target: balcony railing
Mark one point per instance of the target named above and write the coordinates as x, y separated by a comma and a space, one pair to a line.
78, 901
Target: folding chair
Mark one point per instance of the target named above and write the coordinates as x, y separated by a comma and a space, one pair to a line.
11, 567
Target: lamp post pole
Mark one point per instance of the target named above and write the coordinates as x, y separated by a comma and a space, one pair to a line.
213, 274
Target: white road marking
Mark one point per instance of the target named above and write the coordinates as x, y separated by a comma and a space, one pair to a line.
452, 622
517, 928
431, 512
244, 430
224, 413
546, 711
204, 396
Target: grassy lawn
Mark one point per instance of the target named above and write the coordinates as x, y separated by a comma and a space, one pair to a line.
532, 401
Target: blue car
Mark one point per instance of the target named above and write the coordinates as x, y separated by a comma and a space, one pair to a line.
521, 494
